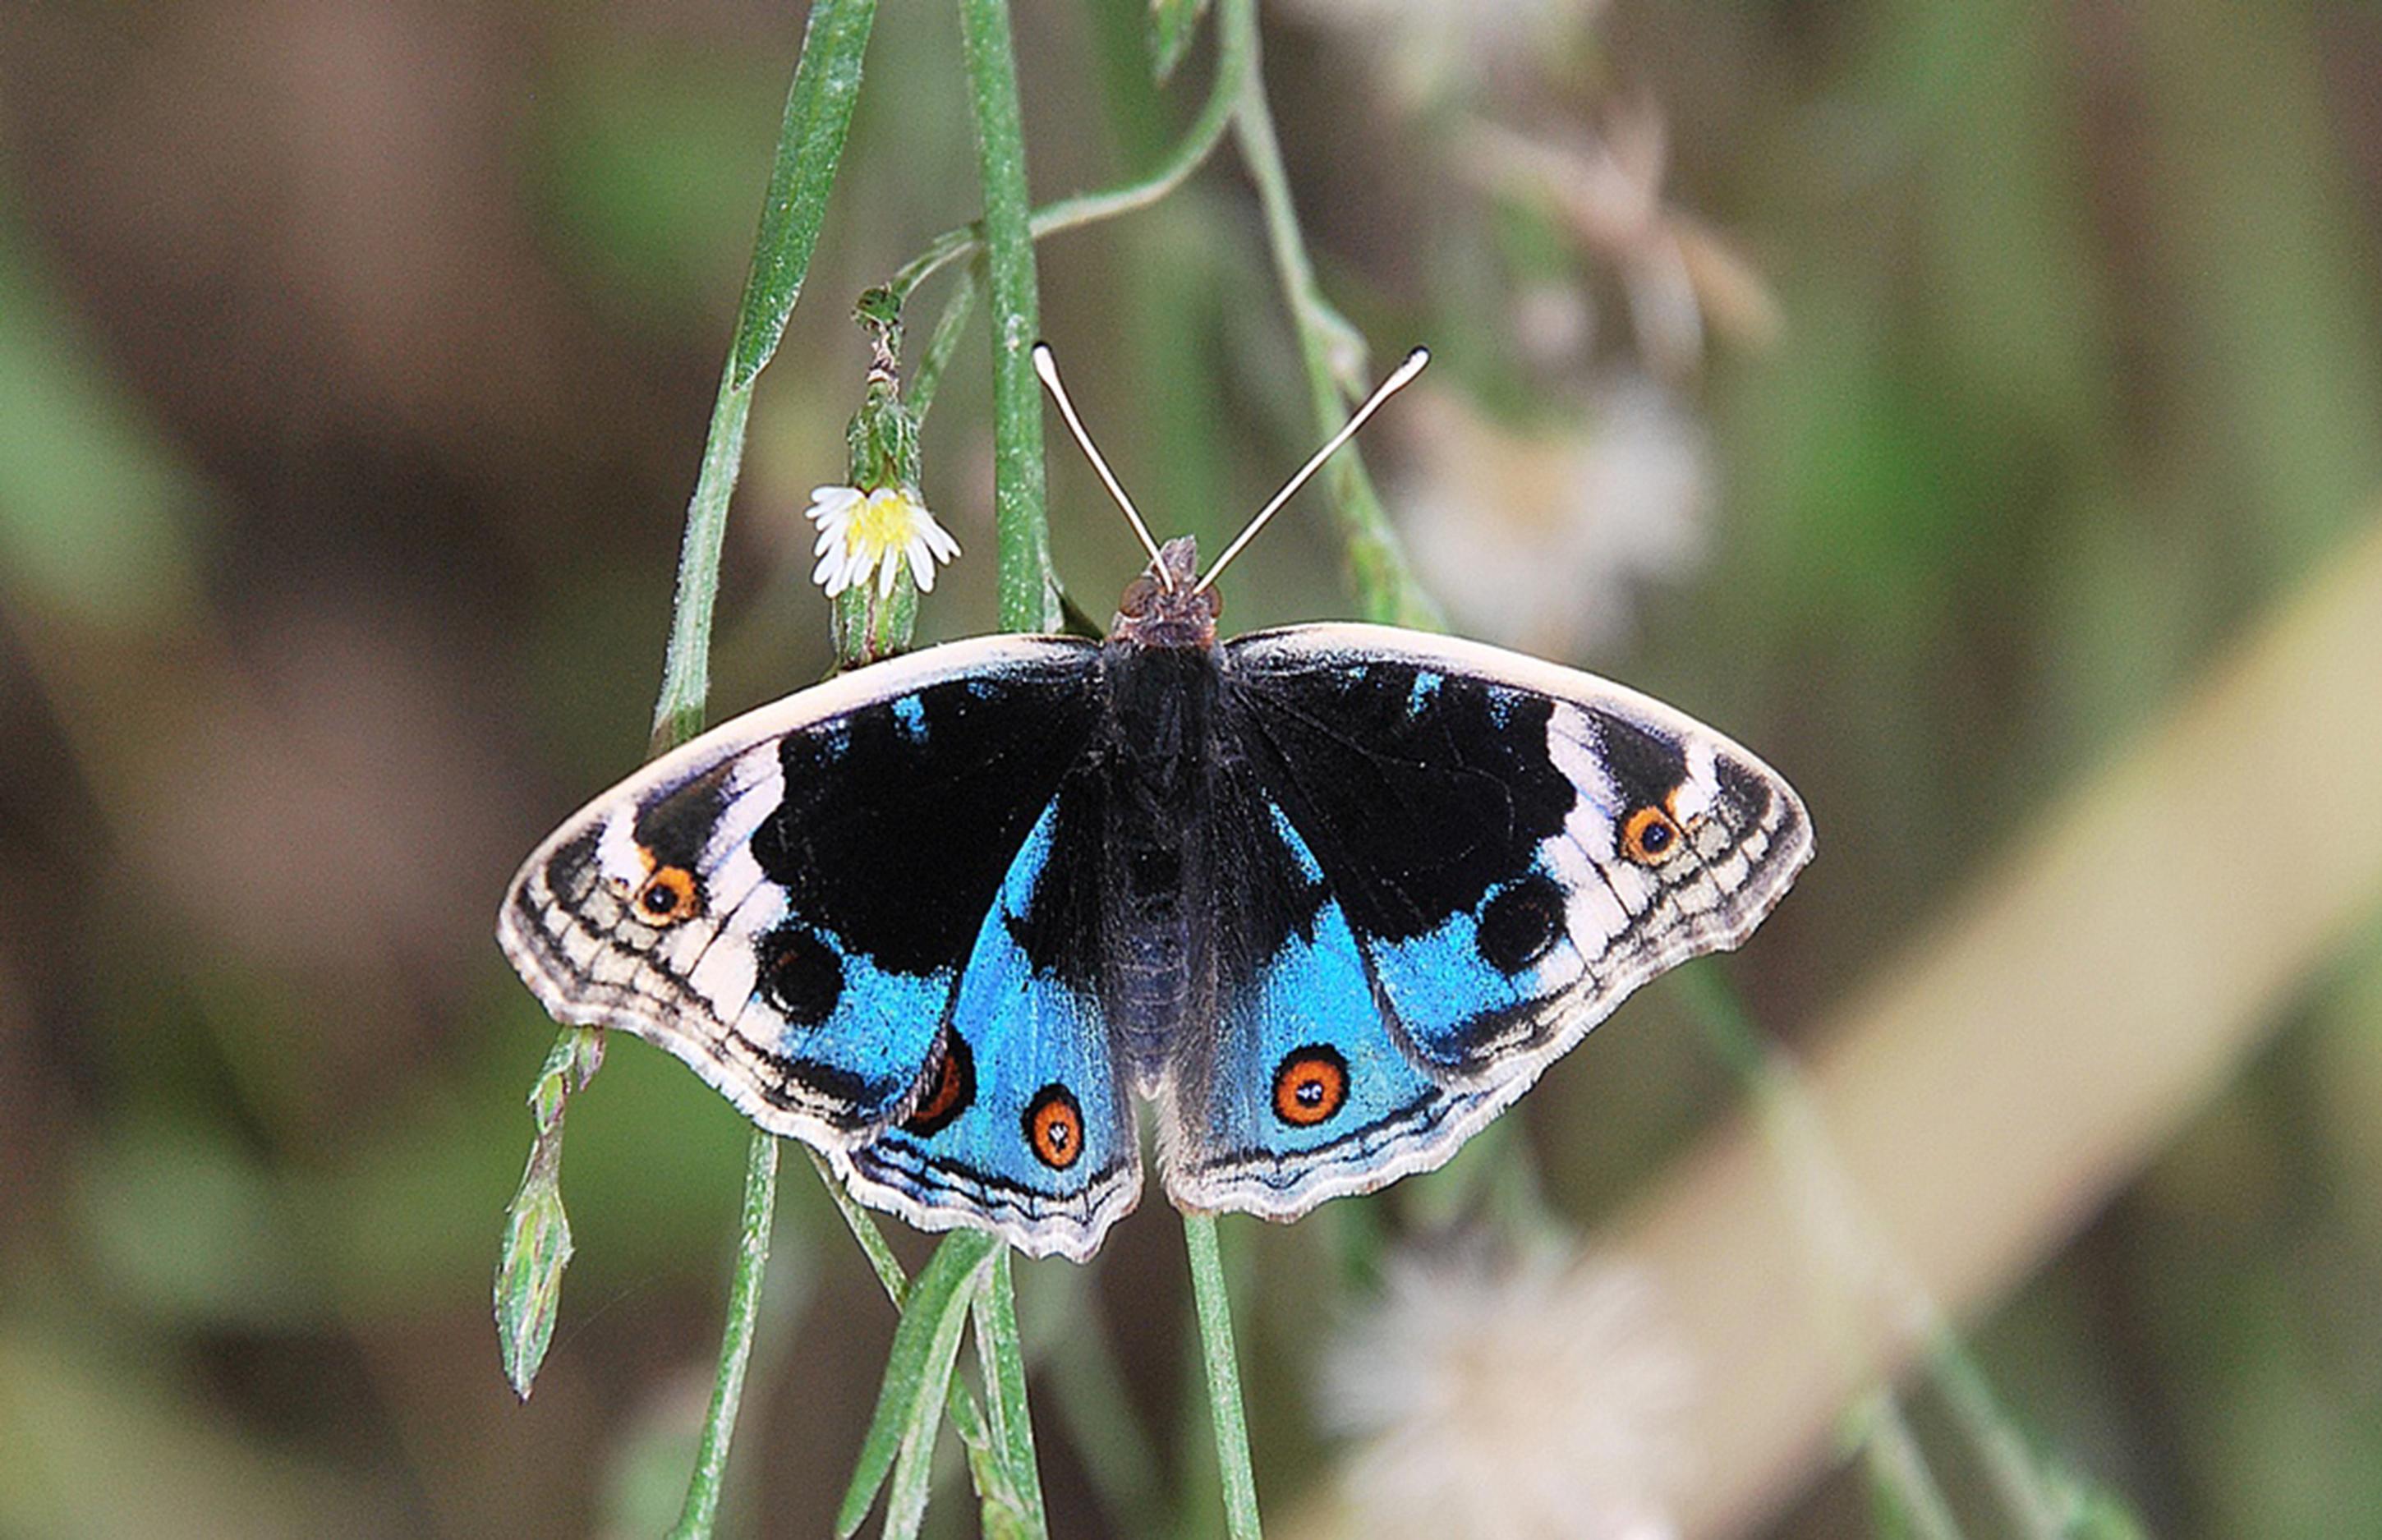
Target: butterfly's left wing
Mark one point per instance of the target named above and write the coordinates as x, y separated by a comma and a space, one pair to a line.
1471, 857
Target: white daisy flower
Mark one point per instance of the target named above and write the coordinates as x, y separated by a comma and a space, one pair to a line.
861, 532
1513, 1399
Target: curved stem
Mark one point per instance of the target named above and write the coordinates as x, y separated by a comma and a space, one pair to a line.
1333, 354
810, 147
1235, 47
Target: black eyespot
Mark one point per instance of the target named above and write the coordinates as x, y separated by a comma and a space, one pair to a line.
1519, 925
801, 976
1648, 836
669, 894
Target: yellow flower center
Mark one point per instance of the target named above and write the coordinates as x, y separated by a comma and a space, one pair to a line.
882, 524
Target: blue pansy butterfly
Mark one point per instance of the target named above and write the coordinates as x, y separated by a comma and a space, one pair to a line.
1331, 897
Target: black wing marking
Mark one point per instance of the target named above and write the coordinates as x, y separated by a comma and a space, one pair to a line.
1505, 849
787, 902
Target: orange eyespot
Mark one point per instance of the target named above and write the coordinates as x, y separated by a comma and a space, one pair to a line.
1649, 836
668, 895
954, 1087
1054, 1128
1310, 1086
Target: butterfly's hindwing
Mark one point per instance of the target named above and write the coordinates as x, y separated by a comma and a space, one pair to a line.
788, 903
1301, 1092
1025, 1123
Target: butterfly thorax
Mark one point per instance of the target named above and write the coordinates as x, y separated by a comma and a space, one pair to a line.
1162, 608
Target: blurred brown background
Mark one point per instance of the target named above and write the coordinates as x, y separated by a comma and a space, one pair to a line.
1946, 401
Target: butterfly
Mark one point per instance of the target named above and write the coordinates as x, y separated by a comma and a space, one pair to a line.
1328, 897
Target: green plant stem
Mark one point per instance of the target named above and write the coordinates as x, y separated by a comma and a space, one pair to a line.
881, 1259
687, 667
916, 1387
702, 1507
1235, 47
535, 1248
1027, 587
810, 147
943, 341
1224, 1376
1334, 355
1897, 1470
2011, 1467
965, 1415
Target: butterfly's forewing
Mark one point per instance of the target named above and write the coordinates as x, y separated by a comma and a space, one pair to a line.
1505, 849
790, 903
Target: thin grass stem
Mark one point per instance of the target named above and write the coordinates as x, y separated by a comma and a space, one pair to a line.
943, 341
1028, 588
702, 1507
1334, 358
1899, 1477
1845, 1242
810, 147
1009, 1428
1224, 1376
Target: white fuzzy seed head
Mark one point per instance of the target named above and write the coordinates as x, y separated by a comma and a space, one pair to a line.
1512, 1400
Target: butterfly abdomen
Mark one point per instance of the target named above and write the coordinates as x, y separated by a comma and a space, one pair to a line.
1159, 761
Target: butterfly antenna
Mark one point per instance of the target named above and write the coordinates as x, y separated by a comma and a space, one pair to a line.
1383, 392
1047, 367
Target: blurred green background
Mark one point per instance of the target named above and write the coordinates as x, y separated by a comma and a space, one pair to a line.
1931, 397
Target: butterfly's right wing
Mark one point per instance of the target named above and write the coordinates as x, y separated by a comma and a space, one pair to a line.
815, 906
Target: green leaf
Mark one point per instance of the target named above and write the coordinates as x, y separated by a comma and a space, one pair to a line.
1172, 25
529, 1275
1333, 351
917, 1377
1010, 1481
810, 145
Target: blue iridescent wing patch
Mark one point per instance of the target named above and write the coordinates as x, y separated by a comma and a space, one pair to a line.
1026, 1125
1502, 850
1301, 1093
790, 903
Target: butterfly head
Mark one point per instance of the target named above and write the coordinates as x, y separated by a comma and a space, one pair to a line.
1162, 607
